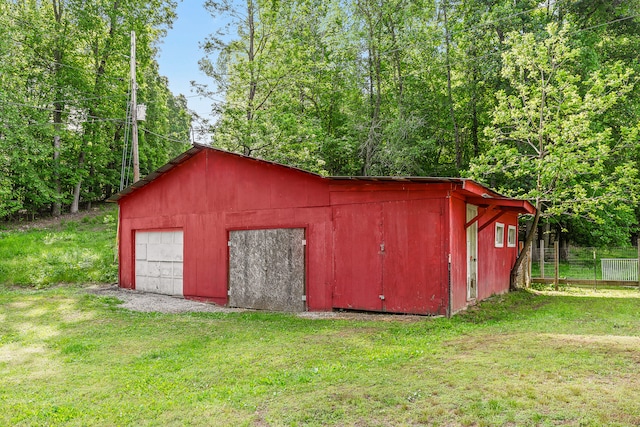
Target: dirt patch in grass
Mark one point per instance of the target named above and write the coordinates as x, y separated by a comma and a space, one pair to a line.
366, 316
623, 341
598, 292
48, 222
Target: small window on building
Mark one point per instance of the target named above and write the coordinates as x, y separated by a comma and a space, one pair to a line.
499, 235
511, 236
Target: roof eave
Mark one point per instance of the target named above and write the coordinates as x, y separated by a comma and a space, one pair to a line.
504, 204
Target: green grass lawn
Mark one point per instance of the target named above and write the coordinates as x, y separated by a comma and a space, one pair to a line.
71, 358
67, 251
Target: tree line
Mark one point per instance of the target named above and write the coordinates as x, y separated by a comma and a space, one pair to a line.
64, 96
537, 99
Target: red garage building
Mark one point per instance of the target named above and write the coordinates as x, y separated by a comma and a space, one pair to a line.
217, 226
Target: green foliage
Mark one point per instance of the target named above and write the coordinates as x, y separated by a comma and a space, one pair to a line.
409, 88
548, 144
64, 94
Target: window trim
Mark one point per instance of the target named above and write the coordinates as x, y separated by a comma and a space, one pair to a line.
499, 237
512, 231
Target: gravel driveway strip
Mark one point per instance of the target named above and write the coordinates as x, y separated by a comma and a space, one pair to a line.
148, 302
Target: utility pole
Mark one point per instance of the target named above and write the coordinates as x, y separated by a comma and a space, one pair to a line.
134, 111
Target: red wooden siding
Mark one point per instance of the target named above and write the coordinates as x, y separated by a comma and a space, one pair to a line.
365, 238
494, 263
495, 269
207, 196
389, 257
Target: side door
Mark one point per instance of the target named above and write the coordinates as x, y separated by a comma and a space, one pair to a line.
358, 252
472, 254
413, 256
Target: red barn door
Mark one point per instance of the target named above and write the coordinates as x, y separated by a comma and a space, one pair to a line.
358, 261
413, 257
389, 257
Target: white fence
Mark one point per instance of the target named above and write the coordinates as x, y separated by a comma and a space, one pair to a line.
619, 269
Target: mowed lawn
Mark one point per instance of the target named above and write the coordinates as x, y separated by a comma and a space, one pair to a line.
71, 358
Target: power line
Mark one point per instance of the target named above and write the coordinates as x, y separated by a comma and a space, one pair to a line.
20, 104
453, 63
62, 64
607, 23
164, 136
502, 18
46, 124
125, 166
90, 98
499, 51
94, 118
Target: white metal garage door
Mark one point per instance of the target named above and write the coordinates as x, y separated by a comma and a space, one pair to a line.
159, 261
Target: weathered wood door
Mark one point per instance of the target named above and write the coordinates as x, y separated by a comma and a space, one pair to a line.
267, 269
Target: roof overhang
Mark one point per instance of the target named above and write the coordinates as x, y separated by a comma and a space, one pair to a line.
504, 204
401, 179
481, 196
495, 207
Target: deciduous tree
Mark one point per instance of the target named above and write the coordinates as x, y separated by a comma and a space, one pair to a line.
547, 143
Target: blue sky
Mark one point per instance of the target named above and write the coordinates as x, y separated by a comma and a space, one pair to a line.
180, 52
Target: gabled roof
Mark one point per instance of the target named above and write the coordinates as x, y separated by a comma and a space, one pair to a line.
478, 193
183, 158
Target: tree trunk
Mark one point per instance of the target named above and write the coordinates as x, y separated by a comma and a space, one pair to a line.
248, 145
76, 190
76, 197
474, 114
58, 107
546, 235
375, 88
56, 207
527, 244
456, 132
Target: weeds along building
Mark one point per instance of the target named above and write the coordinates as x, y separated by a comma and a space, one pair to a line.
216, 226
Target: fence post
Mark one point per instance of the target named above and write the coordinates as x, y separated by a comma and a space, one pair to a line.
595, 270
556, 255
529, 260
542, 258
638, 264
